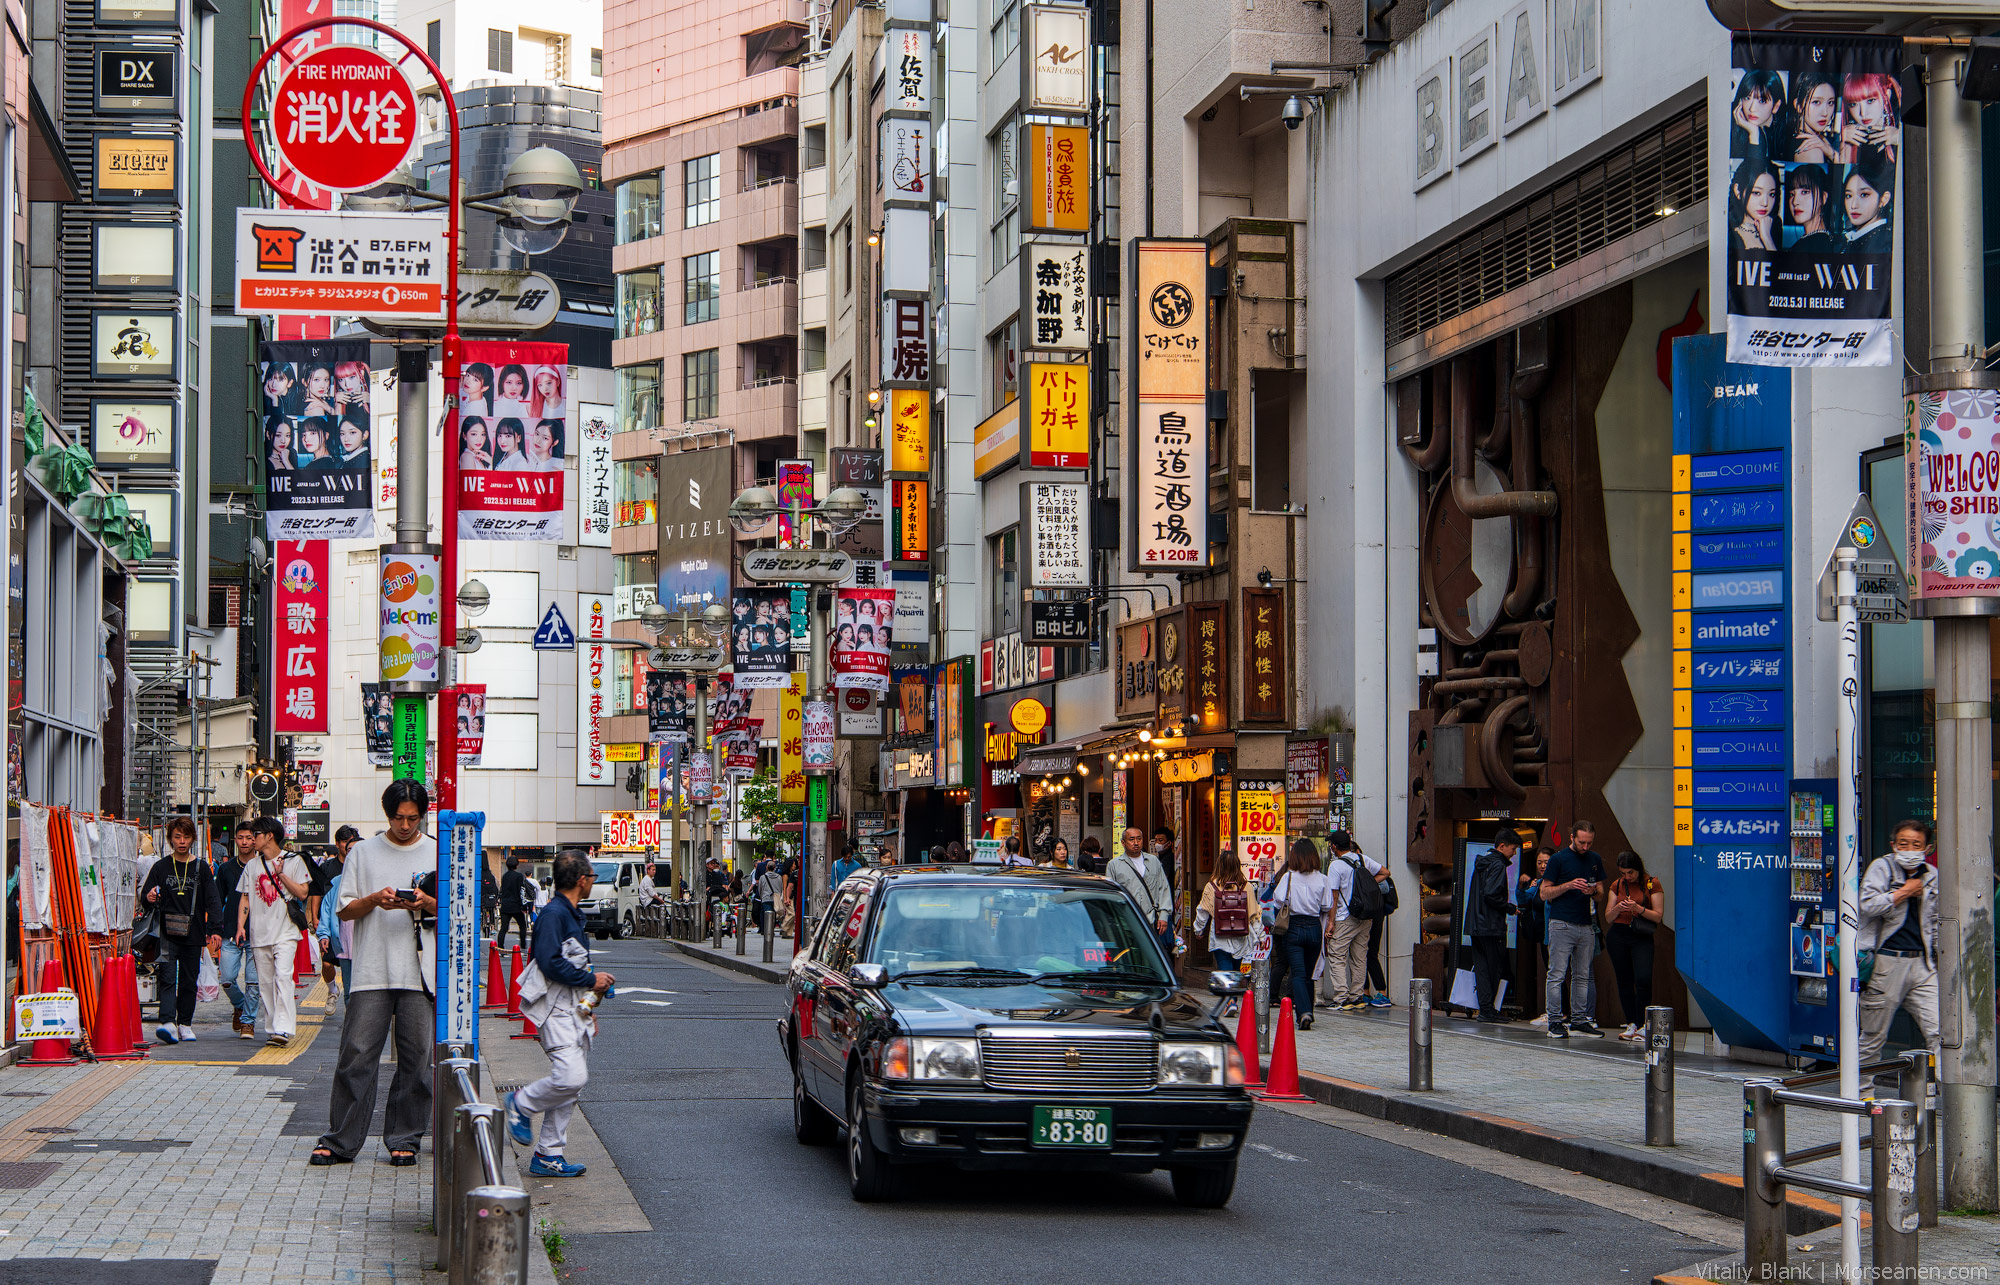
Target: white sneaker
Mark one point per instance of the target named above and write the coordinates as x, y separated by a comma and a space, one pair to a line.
166, 1035
187, 1034
1543, 1020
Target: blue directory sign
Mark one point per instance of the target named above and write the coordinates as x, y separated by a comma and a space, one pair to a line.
1732, 670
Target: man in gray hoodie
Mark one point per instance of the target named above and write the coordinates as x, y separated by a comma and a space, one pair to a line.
1899, 923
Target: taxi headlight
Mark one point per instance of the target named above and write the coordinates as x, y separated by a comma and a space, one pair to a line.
945, 1060
1191, 1065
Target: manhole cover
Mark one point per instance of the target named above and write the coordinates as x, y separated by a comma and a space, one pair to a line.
19, 1175
24, 1093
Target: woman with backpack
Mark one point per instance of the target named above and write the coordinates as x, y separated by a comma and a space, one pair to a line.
1227, 913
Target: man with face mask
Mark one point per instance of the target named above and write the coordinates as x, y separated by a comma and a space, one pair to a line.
1899, 925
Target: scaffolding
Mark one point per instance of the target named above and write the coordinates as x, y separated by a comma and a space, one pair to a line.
181, 690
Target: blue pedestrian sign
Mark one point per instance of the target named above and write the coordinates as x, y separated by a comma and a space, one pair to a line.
554, 633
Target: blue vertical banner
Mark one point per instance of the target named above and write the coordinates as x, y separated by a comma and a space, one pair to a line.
1732, 679
461, 857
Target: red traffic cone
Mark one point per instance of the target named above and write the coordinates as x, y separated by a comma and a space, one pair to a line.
1246, 1041
110, 1032
302, 961
53, 1050
135, 1017
1284, 1073
514, 987
528, 1030
496, 980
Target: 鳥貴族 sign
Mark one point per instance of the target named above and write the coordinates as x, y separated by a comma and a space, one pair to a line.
1168, 453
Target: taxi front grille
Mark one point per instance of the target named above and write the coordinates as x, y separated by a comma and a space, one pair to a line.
1069, 1066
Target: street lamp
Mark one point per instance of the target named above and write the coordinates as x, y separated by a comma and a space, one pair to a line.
535, 200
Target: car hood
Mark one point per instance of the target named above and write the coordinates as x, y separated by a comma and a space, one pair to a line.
1027, 1005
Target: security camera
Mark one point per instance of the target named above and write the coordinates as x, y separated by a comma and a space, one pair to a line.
1295, 112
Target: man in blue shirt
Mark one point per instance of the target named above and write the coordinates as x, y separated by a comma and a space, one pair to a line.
1570, 888
846, 866
562, 955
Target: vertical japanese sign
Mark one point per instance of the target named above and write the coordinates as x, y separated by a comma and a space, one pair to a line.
863, 623
791, 742
460, 861
954, 687
1170, 629
410, 739
795, 486
299, 637
1167, 510
1208, 666
1306, 786
593, 687
909, 521
1057, 177
1055, 289
1056, 431
694, 528
1815, 139
593, 476
513, 430
909, 430
1260, 825
1056, 519
907, 58
315, 416
1264, 682
906, 343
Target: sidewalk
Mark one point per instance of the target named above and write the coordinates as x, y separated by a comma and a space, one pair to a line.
750, 963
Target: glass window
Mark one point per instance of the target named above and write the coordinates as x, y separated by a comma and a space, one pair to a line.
638, 302
639, 208
638, 392
812, 248
636, 492
1003, 351
1006, 581
815, 348
700, 375
434, 40
703, 275
636, 569
1036, 930
597, 63
628, 681
815, 147
1006, 30
499, 50
702, 187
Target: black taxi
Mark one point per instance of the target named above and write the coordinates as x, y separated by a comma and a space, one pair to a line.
994, 1017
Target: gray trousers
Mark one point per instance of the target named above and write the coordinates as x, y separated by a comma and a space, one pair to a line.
1571, 947
362, 1035
1899, 981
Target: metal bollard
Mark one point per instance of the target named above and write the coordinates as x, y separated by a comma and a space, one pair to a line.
1420, 1034
1894, 1179
742, 927
496, 1238
1764, 1248
445, 1100
715, 925
770, 932
1659, 1077
1918, 1084
466, 1171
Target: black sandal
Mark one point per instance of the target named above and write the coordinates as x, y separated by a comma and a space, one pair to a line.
323, 1156
402, 1158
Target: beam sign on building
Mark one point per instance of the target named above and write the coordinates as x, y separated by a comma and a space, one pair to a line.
1167, 508
318, 262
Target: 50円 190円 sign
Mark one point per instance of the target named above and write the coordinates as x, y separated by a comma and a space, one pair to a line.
344, 118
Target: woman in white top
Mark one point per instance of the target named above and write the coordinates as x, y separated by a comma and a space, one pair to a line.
1306, 893
1226, 898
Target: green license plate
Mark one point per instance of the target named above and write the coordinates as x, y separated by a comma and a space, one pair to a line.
1072, 1127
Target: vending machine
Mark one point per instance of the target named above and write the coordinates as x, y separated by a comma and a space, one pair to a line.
1814, 927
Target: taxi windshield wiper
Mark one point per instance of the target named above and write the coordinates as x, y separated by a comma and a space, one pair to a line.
1091, 975
955, 976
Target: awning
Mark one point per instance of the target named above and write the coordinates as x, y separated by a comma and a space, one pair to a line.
50, 175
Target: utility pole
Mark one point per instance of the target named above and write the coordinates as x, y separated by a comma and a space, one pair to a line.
1961, 661
694, 864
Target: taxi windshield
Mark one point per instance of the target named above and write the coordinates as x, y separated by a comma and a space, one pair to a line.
1026, 930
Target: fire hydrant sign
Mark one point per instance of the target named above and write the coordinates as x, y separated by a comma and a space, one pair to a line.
319, 262
345, 117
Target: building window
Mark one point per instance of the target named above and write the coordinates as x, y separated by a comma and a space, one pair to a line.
597, 63
638, 302
1003, 350
434, 40
636, 492
847, 258
701, 372
703, 274
1005, 565
702, 184
639, 208
1005, 235
499, 50
638, 394
814, 352
812, 249
843, 112
1006, 29
635, 569
815, 147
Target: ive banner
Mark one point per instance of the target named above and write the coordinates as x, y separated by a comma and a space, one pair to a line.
298, 628
864, 620
316, 425
513, 433
1815, 138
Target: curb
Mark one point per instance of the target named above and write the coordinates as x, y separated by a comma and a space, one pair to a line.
1720, 1194
756, 968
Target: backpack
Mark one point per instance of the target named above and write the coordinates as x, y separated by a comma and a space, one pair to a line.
1364, 896
1232, 912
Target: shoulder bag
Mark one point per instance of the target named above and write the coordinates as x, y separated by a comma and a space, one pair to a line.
1284, 919
294, 908
179, 923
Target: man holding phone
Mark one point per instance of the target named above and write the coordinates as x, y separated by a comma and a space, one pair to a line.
1570, 888
395, 946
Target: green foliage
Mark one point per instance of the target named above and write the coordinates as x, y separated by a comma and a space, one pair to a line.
759, 806
553, 1240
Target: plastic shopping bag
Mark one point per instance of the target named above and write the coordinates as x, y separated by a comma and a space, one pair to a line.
207, 982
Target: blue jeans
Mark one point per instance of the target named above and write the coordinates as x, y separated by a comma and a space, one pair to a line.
1301, 947
1223, 960
238, 960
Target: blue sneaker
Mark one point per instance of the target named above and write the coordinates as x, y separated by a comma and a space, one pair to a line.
553, 1167
1380, 1001
519, 1127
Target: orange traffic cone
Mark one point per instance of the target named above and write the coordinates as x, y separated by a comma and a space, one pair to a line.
496, 980
514, 987
135, 1017
302, 961
1246, 1041
1284, 1073
110, 1033
54, 1050
528, 1030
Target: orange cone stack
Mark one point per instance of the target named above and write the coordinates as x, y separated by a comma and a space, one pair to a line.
135, 1018
111, 1032
53, 1051
496, 980
514, 987
1246, 1042
1284, 1073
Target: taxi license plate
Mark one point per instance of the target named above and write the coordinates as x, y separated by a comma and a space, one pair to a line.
1072, 1127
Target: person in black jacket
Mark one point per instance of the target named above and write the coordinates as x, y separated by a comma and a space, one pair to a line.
514, 901
181, 883
1486, 914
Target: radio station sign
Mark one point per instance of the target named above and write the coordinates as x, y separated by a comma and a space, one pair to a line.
307, 263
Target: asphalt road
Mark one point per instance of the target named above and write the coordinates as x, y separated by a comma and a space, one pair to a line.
691, 1096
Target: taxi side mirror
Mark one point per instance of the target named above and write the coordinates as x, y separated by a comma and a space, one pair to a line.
867, 977
1224, 983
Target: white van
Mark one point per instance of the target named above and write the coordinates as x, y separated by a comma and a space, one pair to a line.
612, 908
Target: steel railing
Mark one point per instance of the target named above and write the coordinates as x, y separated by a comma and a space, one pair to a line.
1902, 1164
481, 1219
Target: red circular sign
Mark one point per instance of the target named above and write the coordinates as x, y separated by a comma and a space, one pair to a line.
857, 700
345, 118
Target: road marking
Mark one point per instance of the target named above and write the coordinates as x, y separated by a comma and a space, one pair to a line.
656, 1003
645, 990
1276, 1154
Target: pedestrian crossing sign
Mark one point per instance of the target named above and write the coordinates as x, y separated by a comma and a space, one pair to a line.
554, 633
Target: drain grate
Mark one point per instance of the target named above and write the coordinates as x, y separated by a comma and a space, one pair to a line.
87, 1271
112, 1146
19, 1175
24, 1093
50, 1128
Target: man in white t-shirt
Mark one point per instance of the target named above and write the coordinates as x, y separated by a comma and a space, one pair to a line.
395, 944
1347, 944
272, 880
